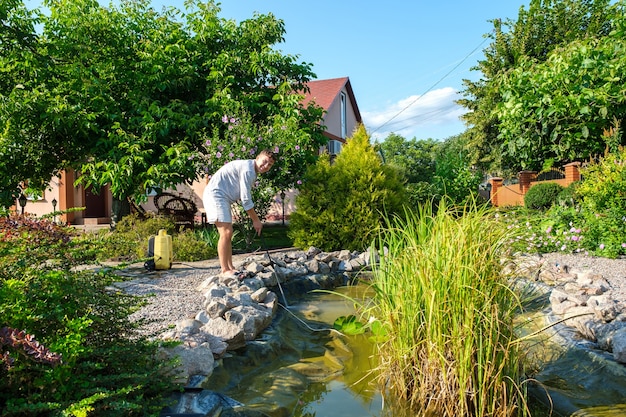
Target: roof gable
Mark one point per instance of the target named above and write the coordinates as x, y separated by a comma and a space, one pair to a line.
325, 92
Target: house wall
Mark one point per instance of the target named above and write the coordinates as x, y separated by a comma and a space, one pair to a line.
67, 196
332, 118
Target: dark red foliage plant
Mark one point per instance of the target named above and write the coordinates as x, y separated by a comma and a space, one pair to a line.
28, 345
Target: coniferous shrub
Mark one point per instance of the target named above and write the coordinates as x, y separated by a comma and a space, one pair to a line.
543, 195
341, 205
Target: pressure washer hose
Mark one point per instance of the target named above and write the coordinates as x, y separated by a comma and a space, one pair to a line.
280, 287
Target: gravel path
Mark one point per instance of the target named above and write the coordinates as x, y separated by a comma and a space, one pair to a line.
613, 270
173, 294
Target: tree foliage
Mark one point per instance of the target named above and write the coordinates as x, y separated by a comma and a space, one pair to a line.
432, 169
546, 26
413, 158
560, 109
127, 95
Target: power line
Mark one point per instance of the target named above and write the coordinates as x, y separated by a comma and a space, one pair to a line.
431, 87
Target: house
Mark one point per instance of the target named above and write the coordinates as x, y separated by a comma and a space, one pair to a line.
341, 118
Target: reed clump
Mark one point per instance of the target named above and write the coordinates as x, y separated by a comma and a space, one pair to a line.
449, 314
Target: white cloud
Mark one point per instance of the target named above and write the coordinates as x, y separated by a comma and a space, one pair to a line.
431, 115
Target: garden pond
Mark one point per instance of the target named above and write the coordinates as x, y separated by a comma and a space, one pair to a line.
301, 368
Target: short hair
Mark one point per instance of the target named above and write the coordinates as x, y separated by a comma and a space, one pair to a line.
269, 154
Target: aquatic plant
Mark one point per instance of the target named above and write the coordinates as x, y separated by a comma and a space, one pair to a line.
449, 315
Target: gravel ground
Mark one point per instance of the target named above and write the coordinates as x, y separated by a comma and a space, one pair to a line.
172, 293
176, 298
613, 270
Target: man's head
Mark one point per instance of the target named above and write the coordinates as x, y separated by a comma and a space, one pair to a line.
264, 161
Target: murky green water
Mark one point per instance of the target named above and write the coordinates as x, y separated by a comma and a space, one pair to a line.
300, 368
573, 377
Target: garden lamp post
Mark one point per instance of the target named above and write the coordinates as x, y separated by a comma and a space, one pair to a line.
22, 200
282, 199
54, 210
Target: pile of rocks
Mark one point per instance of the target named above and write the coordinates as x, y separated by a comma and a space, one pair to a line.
238, 310
586, 300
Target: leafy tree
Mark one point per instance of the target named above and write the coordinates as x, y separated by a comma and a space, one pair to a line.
413, 158
547, 25
560, 109
127, 96
455, 177
341, 205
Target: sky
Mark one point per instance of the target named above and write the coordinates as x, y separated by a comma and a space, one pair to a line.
406, 59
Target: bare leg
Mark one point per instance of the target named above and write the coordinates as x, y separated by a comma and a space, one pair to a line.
224, 246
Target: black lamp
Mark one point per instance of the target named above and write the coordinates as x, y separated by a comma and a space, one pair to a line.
54, 210
22, 200
282, 199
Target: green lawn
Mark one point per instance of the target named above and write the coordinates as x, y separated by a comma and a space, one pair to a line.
274, 236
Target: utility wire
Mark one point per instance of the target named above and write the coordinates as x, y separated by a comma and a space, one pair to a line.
431, 87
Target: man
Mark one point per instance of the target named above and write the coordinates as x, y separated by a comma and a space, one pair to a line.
231, 183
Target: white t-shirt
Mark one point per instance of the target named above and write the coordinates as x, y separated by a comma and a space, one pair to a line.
234, 182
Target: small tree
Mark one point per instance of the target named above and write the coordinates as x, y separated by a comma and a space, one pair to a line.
454, 176
340, 205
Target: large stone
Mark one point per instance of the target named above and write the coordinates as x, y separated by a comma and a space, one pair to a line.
254, 267
194, 360
252, 320
215, 308
619, 345
228, 331
604, 307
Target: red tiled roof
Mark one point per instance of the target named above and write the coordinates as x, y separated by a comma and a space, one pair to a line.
325, 92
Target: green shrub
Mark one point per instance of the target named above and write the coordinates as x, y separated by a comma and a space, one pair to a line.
542, 196
604, 184
107, 368
192, 245
129, 240
341, 205
568, 197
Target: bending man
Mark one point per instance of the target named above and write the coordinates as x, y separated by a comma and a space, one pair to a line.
231, 183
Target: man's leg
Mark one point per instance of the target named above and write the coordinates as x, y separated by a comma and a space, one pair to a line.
224, 246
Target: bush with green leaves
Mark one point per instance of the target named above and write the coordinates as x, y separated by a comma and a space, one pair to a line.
195, 245
106, 368
129, 240
455, 177
603, 203
542, 196
568, 197
341, 205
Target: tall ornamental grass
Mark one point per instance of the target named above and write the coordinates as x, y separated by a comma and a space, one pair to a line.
449, 313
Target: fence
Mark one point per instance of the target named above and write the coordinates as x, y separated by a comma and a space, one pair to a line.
513, 195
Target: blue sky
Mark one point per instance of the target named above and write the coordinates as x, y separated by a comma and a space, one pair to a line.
406, 59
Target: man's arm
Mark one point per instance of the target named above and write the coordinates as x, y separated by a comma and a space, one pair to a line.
255, 221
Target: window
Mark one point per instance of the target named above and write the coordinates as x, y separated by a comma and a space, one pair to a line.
334, 147
344, 128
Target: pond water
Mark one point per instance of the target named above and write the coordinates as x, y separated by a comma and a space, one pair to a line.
575, 378
300, 368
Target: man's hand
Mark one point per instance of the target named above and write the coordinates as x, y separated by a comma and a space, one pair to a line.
258, 226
